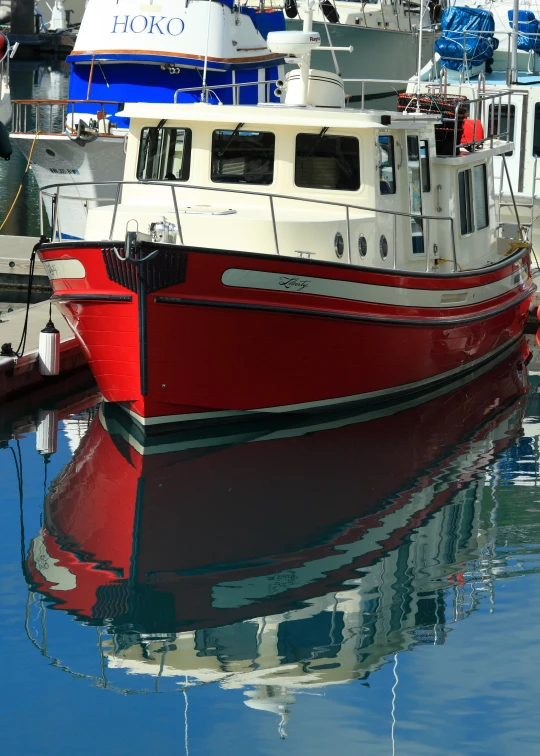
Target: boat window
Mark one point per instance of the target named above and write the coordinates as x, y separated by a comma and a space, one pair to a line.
498, 125
164, 154
387, 165
465, 202
473, 202
480, 196
536, 133
424, 165
326, 161
243, 157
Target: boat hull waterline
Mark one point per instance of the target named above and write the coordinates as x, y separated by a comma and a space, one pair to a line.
197, 334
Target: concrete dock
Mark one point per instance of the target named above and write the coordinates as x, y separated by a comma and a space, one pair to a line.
15, 254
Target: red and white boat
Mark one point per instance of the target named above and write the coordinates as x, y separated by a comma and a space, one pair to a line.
294, 257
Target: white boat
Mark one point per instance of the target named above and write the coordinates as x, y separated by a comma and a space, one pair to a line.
514, 70
384, 36
124, 54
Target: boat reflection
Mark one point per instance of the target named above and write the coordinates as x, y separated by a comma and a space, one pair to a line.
277, 559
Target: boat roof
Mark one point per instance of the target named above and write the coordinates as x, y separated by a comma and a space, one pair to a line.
498, 79
270, 114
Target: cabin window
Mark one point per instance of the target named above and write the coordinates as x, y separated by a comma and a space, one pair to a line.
387, 165
480, 196
164, 154
465, 202
424, 165
473, 204
243, 157
498, 124
536, 133
327, 162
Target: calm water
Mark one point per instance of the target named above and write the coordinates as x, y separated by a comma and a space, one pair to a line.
359, 585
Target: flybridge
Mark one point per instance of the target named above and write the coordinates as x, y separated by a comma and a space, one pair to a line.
141, 24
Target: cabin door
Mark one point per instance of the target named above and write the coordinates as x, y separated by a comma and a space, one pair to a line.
389, 232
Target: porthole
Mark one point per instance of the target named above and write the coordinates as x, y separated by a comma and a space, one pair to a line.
362, 245
50, 152
383, 247
339, 245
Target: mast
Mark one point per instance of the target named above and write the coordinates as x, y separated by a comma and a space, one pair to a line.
514, 42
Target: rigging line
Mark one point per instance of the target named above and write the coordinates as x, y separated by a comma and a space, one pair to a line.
22, 182
394, 704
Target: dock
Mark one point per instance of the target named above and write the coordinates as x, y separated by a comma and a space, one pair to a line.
15, 254
19, 375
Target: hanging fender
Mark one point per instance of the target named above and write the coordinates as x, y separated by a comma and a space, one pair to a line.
291, 9
330, 11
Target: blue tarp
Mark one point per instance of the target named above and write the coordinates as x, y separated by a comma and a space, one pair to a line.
527, 25
466, 30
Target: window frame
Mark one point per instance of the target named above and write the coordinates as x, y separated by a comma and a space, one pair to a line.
483, 168
320, 138
536, 129
425, 166
238, 182
392, 160
469, 181
186, 154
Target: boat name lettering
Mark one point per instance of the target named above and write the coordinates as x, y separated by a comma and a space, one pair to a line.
64, 171
297, 284
139, 24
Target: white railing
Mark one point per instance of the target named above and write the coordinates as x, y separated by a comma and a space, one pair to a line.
53, 193
51, 116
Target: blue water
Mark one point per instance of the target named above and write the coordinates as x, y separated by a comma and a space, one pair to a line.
362, 584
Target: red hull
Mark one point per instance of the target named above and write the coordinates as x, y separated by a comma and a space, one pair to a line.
177, 524
210, 331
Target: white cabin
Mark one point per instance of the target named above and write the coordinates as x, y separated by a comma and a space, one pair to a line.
356, 187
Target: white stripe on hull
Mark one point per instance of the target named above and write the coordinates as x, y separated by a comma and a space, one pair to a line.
375, 294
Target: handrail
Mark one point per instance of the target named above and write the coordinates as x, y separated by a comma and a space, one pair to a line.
55, 196
20, 112
210, 88
66, 102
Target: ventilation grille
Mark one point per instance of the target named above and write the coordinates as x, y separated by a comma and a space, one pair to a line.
166, 269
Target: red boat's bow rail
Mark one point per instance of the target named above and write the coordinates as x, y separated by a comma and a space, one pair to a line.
61, 195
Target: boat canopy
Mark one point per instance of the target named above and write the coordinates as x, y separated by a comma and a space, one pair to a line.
467, 38
529, 30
